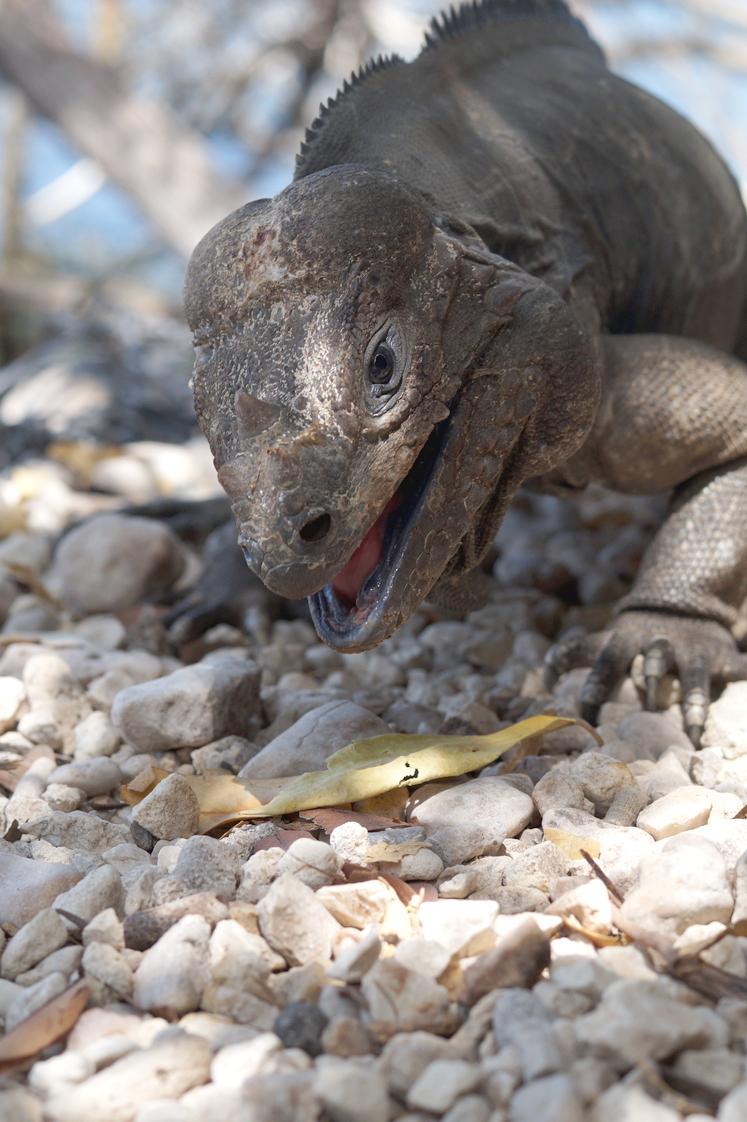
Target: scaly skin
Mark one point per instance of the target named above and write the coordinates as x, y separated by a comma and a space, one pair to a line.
499, 263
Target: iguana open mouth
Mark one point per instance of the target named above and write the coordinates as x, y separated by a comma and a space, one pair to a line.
344, 609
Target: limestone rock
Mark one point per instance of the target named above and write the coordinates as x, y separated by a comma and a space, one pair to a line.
726, 722
295, 923
637, 1021
684, 808
164, 1071
682, 883
489, 801
192, 707
306, 745
29, 886
173, 973
39, 937
113, 561
171, 810
394, 993
313, 862
93, 777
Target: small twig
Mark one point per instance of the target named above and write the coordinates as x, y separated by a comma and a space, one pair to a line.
617, 896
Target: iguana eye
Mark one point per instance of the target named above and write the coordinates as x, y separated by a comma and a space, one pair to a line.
385, 364
382, 366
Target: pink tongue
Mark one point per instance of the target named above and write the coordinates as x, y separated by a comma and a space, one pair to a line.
349, 581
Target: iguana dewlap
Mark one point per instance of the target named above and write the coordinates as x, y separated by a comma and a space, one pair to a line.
498, 263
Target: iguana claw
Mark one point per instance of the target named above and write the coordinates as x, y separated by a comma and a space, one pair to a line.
700, 651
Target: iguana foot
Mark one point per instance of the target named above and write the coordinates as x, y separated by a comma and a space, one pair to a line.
698, 650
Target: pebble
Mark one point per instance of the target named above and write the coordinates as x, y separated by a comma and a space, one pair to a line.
189, 708
144, 928
463, 927
733, 1108
552, 1099
94, 737
93, 777
58, 796
236, 1062
537, 867
682, 883
729, 837
308, 742
173, 973
114, 561
620, 848
295, 923
489, 801
12, 696
588, 903
301, 1025
601, 779
32, 998
351, 841
725, 726
631, 1104
230, 753
203, 864
52, 688
653, 731
441, 1083
394, 993
559, 789
283, 1097
39, 937
107, 972
313, 862
168, 1068
354, 962
351, 1092
79, 830
171, 810
29, 886
101, 888
517, 961
684, 808
64, 961
638, 1021
359, 905
231, 940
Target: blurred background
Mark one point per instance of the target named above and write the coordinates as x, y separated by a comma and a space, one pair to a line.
128, 127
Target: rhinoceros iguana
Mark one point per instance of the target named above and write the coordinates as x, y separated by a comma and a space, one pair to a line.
497, 264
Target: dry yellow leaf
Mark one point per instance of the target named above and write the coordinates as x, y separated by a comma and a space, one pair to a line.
380, 763
571, 844
361, 770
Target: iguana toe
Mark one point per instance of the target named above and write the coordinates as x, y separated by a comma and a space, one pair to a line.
700, 651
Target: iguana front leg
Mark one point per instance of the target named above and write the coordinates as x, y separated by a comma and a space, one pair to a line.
672, 404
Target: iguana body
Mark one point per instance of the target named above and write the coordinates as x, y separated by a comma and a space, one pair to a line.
499, 263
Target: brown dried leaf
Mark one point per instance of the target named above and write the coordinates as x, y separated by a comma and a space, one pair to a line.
329, 818
44, 1027
10, 775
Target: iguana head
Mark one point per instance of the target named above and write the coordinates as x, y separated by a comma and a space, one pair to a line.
374, 385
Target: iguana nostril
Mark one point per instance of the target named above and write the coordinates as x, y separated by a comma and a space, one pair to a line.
317, 528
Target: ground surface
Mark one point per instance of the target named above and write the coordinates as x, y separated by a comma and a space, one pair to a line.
289, 971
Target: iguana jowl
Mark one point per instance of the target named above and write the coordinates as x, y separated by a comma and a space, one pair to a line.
499, 263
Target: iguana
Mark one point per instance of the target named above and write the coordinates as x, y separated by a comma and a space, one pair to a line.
497, 264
